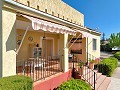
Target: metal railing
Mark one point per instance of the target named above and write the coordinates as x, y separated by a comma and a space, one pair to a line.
89, 75
38, 68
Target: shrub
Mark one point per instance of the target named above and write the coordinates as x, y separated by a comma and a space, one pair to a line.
108, 65
117, 55
74, 84
16, 83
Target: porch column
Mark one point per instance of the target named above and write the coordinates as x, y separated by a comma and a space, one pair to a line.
7, 42
61, 51
64, 52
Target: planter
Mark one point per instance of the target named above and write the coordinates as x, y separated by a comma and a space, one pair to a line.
97, 61
75, 74
80, 71
91, 65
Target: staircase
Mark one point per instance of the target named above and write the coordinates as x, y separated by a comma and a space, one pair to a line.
97, 80
93, 77
102, 82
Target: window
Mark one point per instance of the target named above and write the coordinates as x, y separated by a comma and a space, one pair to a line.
94, 44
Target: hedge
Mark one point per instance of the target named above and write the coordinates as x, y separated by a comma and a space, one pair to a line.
74, 84
107, 66
117, 55
16, 83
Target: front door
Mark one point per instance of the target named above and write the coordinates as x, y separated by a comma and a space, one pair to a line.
47, 46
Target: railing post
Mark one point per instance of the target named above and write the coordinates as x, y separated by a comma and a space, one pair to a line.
94, 81
73, 61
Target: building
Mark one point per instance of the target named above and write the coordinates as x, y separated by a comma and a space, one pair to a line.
36, 37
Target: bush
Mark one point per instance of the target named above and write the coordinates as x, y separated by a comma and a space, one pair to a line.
16, 83
75, 84
117, 55
107, 66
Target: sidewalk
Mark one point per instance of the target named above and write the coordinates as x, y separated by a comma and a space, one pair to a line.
115, 80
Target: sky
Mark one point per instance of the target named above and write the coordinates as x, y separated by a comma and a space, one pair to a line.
101, 14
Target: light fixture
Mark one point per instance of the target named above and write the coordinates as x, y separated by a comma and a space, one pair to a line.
18, 42
44, 36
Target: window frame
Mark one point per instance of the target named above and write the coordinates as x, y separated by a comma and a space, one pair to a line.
94, 44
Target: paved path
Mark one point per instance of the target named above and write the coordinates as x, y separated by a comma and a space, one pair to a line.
115, 80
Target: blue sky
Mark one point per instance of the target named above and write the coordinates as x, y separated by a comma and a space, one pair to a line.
104, 14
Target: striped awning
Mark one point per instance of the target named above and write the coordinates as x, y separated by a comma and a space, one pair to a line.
86, 34
38, 24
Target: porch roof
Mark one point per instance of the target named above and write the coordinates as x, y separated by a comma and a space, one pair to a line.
38, 24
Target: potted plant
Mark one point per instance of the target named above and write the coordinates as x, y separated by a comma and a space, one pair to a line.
97, 60
91, 63
80, 69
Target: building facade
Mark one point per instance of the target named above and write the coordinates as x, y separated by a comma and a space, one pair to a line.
45, 29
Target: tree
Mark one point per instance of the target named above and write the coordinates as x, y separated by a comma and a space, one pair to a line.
103, 38
114, 40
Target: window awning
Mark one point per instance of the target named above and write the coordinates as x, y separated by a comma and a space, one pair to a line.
38, 24
86, 34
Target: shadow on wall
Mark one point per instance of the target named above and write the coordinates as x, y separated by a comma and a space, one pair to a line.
11, 41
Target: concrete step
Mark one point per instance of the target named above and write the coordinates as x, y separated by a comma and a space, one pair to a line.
102, 81
105, 84
90, 77
98, 76
99, 81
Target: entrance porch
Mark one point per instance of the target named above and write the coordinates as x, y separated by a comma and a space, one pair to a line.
40, 53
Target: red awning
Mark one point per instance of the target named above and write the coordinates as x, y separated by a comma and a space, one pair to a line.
38, 24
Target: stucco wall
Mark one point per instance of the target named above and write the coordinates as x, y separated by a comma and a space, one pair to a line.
83, 55
27, 46
79, 46
8, 43
53, 82
58, 7
83, 46
95, 53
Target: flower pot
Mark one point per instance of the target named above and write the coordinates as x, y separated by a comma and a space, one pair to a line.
80, 71
97, 61
91, 65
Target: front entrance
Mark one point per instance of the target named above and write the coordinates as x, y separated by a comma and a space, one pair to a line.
47, 46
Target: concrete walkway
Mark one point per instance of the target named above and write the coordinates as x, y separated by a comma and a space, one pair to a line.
115, 79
